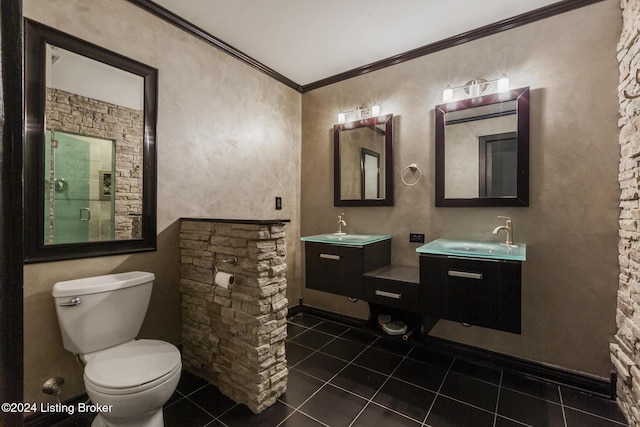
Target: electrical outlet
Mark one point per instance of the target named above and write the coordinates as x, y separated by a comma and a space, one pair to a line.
278, 203
416, 238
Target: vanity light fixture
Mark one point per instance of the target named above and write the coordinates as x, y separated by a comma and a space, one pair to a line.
476, 87
359, 113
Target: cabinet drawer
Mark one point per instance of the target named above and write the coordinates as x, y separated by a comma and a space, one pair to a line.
391, 293
335, 269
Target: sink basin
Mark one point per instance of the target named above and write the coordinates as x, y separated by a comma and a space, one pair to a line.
473, 249
346, 239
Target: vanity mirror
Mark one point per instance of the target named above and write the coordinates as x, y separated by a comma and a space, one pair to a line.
482, 151
90, 154
363, 162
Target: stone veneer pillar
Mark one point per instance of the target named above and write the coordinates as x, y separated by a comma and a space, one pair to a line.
625, 350
235, 337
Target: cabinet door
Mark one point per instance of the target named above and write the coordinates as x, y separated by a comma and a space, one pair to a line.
472, 291
335, 269
479, 292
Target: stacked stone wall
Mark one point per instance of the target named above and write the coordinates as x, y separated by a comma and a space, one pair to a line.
235, 338
625, 350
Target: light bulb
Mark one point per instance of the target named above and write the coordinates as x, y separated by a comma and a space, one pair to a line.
474, 89
447, 95
342, 117
503, 83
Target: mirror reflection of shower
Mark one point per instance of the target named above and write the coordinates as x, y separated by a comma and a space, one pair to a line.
79, 196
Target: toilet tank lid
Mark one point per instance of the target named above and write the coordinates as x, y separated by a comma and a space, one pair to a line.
106, 283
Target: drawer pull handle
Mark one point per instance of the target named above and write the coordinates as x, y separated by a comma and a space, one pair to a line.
388, 294
330, 256
465, 274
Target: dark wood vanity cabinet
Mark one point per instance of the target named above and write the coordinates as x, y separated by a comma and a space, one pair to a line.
338, 269
477, 292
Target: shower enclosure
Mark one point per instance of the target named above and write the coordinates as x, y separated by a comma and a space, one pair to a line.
79, 176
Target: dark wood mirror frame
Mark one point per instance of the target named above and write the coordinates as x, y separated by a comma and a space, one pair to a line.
36, 38
387, 121
521, 96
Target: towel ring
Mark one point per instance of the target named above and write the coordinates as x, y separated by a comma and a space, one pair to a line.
414, 167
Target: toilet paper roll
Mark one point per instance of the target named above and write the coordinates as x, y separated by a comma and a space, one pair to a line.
224, 280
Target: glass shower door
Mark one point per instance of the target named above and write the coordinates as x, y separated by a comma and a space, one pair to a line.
68, 210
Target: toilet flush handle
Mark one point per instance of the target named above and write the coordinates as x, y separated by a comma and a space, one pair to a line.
73, 301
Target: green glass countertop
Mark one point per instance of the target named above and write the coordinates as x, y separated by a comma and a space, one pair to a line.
346, 239
469, 248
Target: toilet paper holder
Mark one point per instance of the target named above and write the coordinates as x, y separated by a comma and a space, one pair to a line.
233, 261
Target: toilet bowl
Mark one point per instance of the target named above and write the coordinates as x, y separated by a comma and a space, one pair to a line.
127, 380
132, 381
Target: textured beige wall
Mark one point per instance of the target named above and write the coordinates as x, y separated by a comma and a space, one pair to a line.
625, 350
570, 277
228, 143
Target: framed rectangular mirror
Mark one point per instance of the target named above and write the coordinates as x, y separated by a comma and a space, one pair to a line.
363, 162
482, 151
90, 154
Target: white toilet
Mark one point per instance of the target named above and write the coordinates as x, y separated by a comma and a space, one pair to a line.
99, 318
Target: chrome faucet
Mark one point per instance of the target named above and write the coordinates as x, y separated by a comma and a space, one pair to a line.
508, 229
341, 223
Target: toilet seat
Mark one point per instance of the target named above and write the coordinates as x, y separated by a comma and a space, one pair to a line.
132, 367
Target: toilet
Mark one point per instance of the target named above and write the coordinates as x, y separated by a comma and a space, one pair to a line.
128, 380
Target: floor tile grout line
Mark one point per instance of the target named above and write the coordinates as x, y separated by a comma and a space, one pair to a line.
564, 417
370, 400
297, 409
424, 388
564, 405
573, 408
313, 351
395, 411
209, 413
327, 381
196, 390
495, 413
182, 396
404, 357
312, 330
475, 378
378, 339
382, 385
301, 412
424, 421
530, 395
464, 403
328, 322
602, 417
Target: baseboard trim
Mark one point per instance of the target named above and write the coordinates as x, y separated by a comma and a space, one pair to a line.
553, 374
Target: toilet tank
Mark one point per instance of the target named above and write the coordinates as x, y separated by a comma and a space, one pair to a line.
95, 313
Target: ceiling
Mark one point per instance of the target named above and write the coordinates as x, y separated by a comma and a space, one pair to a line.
309, 40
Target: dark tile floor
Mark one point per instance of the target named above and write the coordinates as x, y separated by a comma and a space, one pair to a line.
342, 376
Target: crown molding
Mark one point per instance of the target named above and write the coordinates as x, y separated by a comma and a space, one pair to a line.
478, 33
201, 34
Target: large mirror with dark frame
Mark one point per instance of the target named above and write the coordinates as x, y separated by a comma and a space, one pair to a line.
482, 151
90, 153
363, 162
